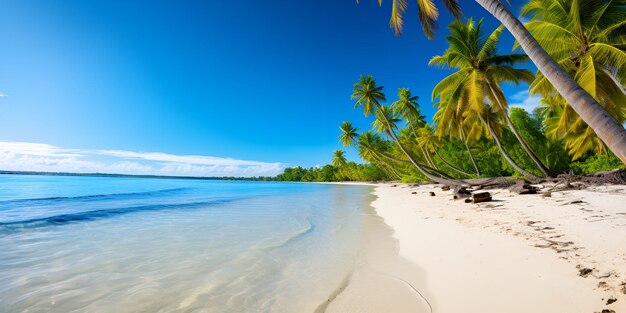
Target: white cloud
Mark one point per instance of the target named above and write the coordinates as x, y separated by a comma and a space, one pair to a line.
25, 156
2, 94
524, 101
37, 149
164, 157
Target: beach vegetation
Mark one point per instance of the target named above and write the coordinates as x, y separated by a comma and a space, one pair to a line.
474, 88
585, 41
588, 40
578, 47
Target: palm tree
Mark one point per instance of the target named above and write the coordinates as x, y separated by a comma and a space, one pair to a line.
563, 124
586, 37
367, 94
428, 141
339, 159
367, 146
407, 107
370, 96
492, 121
349, 135
481, 120
601, 121
480, 71
385, 122
371, 149
448, 120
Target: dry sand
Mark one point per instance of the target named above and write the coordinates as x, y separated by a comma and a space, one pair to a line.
519, 253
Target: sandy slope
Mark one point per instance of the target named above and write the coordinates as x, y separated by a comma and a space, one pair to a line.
515, 254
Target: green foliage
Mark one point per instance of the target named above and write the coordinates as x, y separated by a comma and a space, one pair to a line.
350, 171
597, 163
586, 38
384, 157
411, 179
472, 95
490, 160
454, 152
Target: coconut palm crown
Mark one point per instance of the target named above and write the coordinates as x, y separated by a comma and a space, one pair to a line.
339, 158
426, 10
588, 39
367, 94
480, 70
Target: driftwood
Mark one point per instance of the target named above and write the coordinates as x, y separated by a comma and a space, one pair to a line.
491, 183
461, 192
617, 177
523, 188
479, 197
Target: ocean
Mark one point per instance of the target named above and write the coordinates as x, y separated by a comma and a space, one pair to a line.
121, 244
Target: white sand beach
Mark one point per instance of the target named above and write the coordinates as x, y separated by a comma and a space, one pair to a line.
518, 253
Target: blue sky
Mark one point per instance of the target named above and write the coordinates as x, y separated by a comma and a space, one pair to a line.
261, 81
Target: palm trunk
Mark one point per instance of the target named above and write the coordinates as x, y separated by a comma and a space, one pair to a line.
527, 148
389, 167
506, 155
469, 151
444, 175
392, 134
450, 165
428, 160
432, 162
521, 140
428, 175
423, 152
603, 124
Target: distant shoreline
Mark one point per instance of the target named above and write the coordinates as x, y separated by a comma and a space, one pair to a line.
261, 178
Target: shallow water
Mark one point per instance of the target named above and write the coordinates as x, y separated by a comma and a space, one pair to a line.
92, 244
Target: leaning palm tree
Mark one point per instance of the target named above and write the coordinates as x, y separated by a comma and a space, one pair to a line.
371, 148
367, 145
588, 39
448, 120
431, 143
368, 95
480, 71
339, 158
561, 123
407, 107
601, 121
493, 125
386, 122
480, 119
349, 135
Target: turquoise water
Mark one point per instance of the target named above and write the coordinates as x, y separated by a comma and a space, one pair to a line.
93, 244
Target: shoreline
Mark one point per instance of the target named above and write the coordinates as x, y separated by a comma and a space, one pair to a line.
381, 280
516, 254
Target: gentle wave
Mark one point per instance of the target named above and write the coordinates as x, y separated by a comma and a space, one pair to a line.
85, 216
97, 244
98, 197
299, 233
